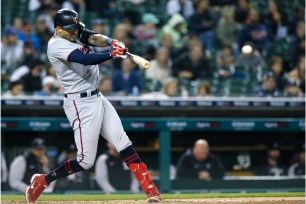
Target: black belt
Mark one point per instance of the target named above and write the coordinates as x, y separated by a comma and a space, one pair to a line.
84, 94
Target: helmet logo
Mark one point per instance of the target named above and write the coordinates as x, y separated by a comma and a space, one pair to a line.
75, 19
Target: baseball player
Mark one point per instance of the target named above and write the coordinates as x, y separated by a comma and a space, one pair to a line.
87, 110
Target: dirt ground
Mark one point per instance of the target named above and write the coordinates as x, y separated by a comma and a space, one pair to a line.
269, 200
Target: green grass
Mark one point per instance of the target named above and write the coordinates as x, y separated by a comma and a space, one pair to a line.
98, 197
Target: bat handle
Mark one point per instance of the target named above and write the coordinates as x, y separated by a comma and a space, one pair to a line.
129, 53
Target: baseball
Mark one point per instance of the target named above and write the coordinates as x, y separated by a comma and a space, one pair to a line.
247, 49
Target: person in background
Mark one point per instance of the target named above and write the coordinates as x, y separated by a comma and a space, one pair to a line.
32, 80
28, 35
76, 5
275, 65
298, 42
298, 167
160, 69
252, 62
268, 87
202, 24
242, 11
225, 61
226, 29
12, 49
24, 166
105, 86
277, 21
183, 7
112, 174
192, 65
203, 90
171, 88
127, 78
176, 27
76, 181
298, 73
50, 87
43, 33
272, 165
292, 89
15, 90
253, 31
199, 163
147, 31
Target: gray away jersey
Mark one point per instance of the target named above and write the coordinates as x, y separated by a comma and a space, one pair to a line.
74, 77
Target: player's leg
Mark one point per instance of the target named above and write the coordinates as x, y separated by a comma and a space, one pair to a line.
86, 122
113, 132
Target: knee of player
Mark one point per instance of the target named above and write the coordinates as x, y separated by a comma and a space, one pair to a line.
87, 163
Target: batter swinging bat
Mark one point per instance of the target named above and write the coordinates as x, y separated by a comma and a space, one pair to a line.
139, 60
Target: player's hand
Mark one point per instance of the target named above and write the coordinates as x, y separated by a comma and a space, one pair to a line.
119, 52
117, 44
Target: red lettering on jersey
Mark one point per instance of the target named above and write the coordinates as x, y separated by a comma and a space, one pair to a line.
84, 49
75, 20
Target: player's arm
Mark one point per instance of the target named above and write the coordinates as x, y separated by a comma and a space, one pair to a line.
78, 56
92, 38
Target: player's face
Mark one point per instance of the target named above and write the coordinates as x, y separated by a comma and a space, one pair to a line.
69, 34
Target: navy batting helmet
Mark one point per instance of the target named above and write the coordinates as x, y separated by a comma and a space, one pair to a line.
67, 19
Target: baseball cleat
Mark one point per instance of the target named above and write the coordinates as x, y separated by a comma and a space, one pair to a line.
153, 194
37, 186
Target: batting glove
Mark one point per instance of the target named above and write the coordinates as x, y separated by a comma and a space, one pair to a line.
117, 44
119, 52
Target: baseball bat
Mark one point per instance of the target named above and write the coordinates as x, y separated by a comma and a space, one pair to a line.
139, 60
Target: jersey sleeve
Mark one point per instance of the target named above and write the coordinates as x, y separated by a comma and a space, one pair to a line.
62, 49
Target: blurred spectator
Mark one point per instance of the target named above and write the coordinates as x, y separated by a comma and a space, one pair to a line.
298, 42
76, 5
106, 8
51, 71
292, 89
272, 165
298, 168
203, 90
49, 14
171, 88
147, 31
29, 53
176, 27
18, 24
127, 80
242, 11
39, 5
225, 61
32, 80
268, 87
50, 87
121, 33
167, 42
100, 26
160, 69
75, 181
276, 66
105, 86
297, 17
199, 163
298, 73
28, 35
112, 174
253, 31
251, 61
276, 21
43, 33
15, 90
25, 166
202, 24
226, 30
192, 65
183, 7
11, 49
